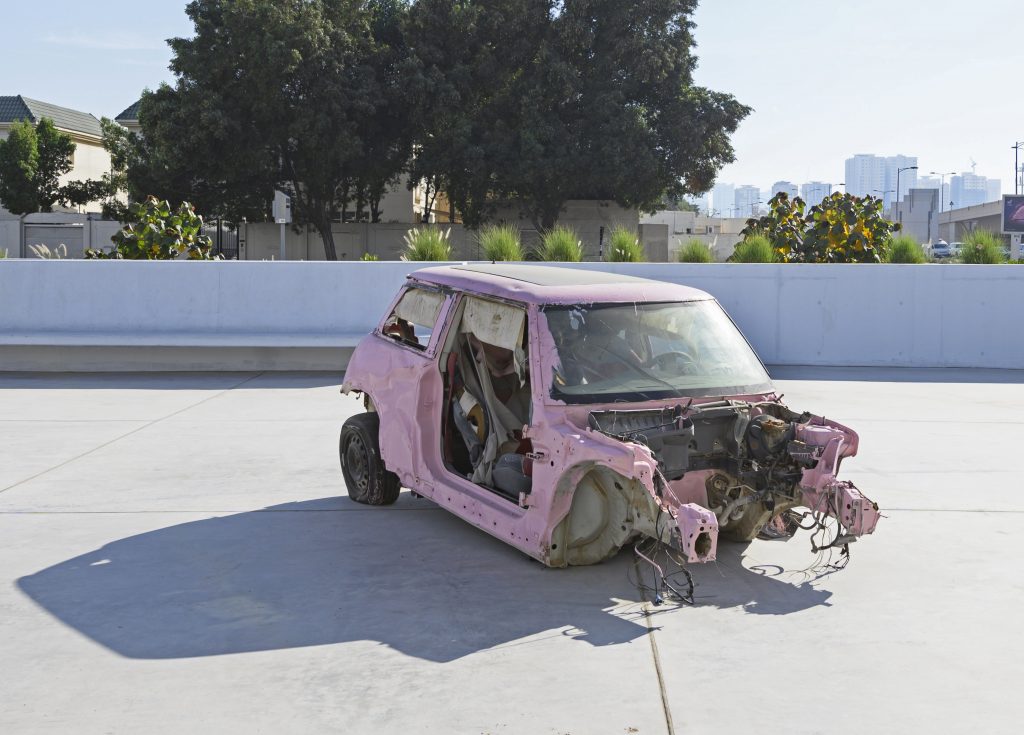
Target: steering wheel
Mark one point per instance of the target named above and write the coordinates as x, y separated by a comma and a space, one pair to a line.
671, 361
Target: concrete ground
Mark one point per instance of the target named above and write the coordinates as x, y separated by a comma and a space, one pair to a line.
176, 555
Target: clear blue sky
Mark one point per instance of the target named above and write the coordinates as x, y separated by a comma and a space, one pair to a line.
937, 79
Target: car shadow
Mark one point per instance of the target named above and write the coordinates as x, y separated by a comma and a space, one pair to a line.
321, 572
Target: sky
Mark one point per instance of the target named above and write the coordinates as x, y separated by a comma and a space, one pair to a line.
935, 79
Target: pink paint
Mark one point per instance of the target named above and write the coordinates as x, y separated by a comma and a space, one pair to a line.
406, 386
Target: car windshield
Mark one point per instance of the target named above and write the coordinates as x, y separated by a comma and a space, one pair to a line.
635, 352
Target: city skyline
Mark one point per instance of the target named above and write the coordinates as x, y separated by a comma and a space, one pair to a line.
875, 76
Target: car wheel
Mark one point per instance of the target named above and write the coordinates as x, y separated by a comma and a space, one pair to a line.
368, 481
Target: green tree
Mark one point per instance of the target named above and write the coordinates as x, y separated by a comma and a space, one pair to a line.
302, 95
32, 161
588, 99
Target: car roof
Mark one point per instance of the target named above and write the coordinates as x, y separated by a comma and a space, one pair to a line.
540, 284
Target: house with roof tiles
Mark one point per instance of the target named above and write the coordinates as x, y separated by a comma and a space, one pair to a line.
90, 159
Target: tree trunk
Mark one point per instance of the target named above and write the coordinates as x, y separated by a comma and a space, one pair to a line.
323, 226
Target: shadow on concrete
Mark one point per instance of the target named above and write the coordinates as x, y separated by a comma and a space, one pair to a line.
320, 572
895, 375
169, 381
761, 590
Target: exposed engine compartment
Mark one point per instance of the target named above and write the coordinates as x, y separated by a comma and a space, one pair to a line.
757, 460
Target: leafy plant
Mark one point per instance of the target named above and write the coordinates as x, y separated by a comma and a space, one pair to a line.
3, 253
982, 247
44, 253
782, 228
845, 229
905, 249
427, 243
755, 248
842, 229
369, 258
155, 231
624, 246
695, 251
560, 245
501, 242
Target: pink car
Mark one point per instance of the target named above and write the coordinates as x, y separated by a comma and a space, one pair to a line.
570, 412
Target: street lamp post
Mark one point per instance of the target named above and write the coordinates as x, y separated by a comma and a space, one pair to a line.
942, 185
898, 172
1016, 166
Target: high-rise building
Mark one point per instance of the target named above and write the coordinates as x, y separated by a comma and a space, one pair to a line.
747, 201
784, 186
877, 176
814, 192
723, 200
994, 189
968, 190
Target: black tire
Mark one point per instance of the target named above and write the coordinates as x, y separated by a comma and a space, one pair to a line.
368, 481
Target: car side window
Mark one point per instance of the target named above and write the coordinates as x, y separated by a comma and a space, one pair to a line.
414, 317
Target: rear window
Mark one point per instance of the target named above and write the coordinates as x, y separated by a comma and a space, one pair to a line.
414, 317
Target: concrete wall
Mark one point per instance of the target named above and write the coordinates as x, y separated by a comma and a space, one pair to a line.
887, 315
385, 239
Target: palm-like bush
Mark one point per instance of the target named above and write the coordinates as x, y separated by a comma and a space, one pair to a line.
560, 245
695, 251
427, 243
905, 249
624, 247
754, 248
501, 242
982, 247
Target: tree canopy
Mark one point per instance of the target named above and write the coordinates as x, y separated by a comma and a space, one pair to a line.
32, 160
541, 102
534, 102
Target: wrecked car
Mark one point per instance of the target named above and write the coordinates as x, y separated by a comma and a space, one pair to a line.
571, 412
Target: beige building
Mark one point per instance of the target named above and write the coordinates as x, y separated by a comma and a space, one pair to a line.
90, 159
720, 234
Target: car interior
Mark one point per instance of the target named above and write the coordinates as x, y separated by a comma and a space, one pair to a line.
487, 398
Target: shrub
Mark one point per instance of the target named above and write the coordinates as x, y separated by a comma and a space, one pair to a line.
501, 242
905, 249
624, 247
982, 247
754, 248
695, 251
842, 229
369, 258
783, 228
155, 231
427, 243
560, 245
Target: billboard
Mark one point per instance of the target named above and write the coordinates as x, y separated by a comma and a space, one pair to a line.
1013, 214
